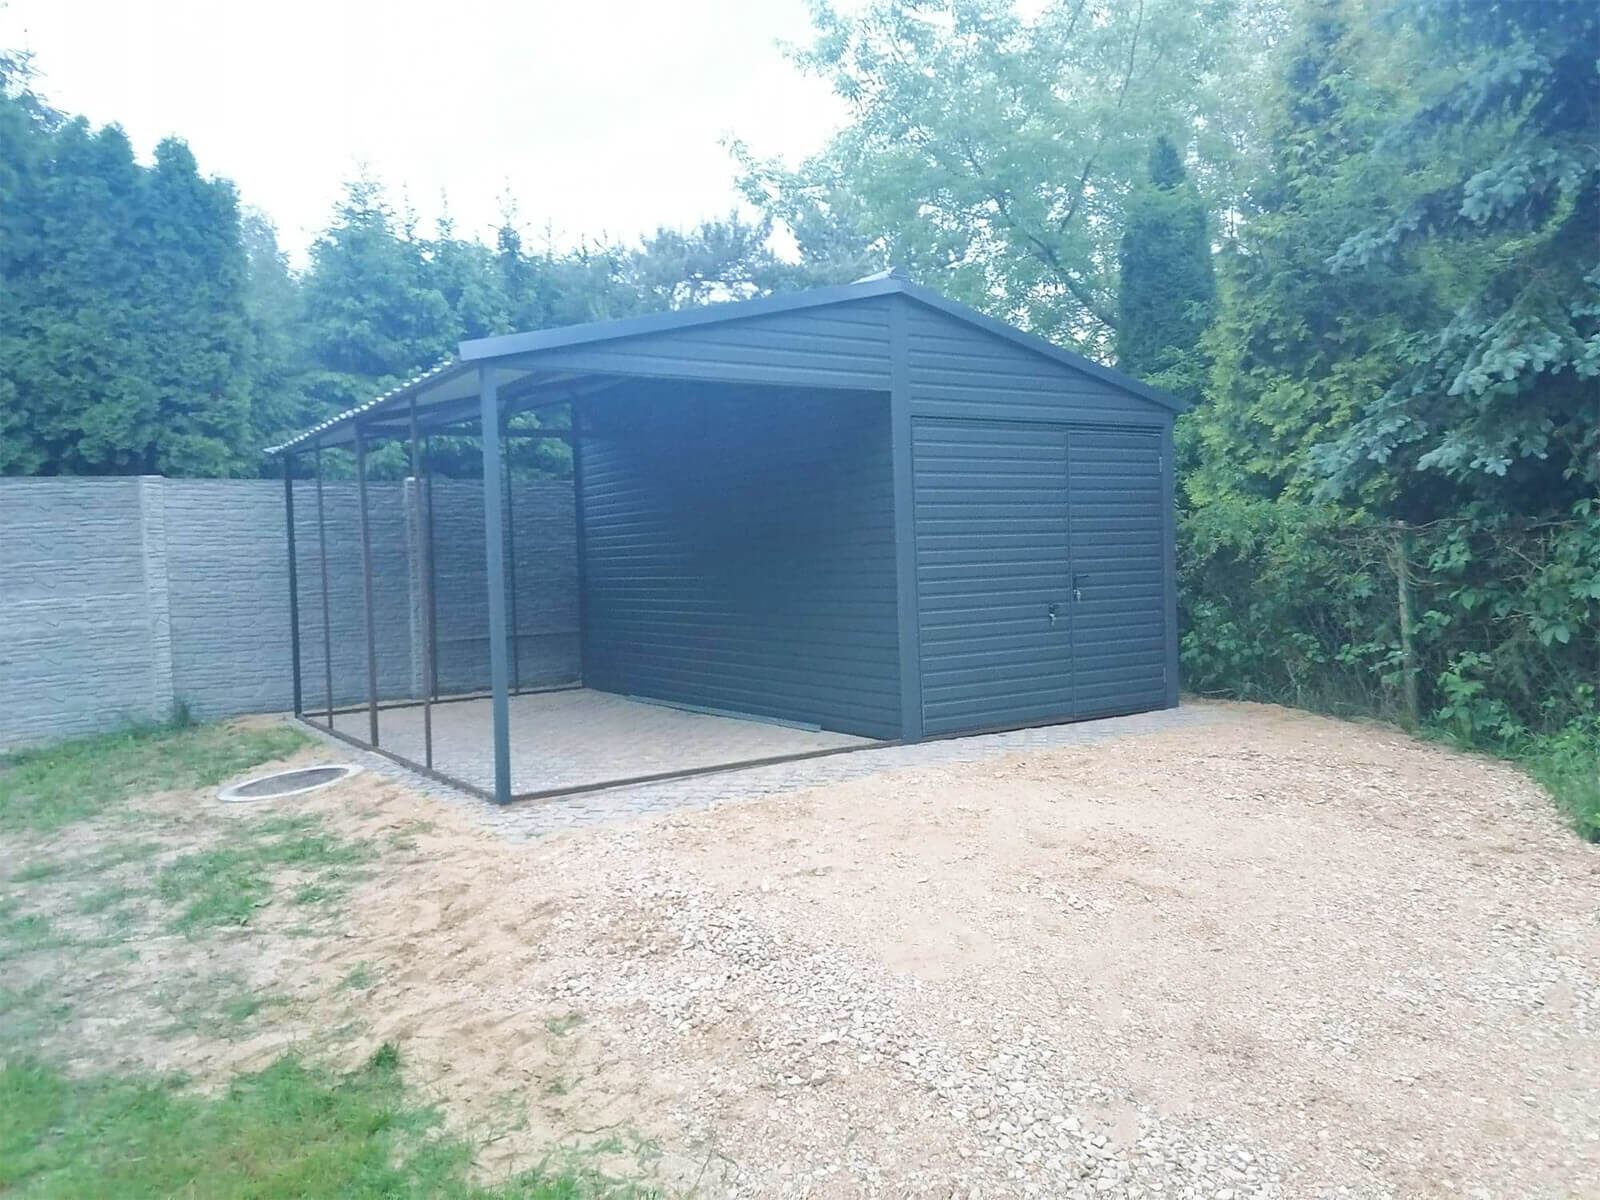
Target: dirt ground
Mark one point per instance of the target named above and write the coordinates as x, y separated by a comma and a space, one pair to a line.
1278, 955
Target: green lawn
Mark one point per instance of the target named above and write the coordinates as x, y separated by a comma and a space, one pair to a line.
296, 1129
45, 788
290, 1131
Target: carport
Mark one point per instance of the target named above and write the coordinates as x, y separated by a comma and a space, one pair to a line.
801, 525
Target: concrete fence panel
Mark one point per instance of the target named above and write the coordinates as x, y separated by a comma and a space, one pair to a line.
121, 598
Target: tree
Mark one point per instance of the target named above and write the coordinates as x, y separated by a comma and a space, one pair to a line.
1500, 396
994, 154
1296, 350
373, 317
1167, 286
717, 260
191, 297
123, 343
273, 307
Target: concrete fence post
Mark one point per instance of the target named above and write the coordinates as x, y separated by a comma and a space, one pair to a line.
157, 593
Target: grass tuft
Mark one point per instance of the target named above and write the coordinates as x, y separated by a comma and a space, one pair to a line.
46, 788
225, 886
1567, 765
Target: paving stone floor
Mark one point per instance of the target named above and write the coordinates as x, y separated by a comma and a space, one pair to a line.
535, 818
577, 736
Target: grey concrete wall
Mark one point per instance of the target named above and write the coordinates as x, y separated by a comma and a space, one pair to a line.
76, 631
120, 598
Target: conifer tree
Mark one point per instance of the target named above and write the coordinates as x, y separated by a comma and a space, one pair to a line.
1167, 287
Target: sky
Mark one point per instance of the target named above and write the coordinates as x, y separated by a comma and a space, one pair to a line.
599, 117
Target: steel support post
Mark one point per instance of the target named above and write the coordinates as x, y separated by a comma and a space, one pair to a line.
433, 591
511, 572
427, 594
494, 556
322, 577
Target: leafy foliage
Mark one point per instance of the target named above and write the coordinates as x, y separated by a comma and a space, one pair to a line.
1502, 399
1167, 285
123, 332
995, 154
1296, 350
1404, 368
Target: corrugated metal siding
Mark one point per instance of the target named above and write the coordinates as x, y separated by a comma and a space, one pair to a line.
1119, 560
739, 552
959, 370
842, 345
992, 558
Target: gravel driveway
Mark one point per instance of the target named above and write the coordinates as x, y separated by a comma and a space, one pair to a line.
1270, 955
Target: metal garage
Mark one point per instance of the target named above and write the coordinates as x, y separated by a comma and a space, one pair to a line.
861, 510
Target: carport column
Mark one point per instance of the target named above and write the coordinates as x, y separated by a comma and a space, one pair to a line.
905, 522
495, 570
366, 587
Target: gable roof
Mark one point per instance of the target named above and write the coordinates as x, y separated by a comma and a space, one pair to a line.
887, 283
441, 381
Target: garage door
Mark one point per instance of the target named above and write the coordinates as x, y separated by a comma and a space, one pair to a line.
993, 597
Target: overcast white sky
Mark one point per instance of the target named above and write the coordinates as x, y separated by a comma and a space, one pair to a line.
598, 116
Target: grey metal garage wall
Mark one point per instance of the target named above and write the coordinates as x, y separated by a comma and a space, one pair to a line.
739, 552
121, 597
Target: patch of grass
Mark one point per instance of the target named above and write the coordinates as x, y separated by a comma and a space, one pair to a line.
23, 933
225, 886
404, 837
359, 977
39, 870
215, 1006
96, 902
561, 1026
43, 789
120, 854
290, 1130
1567, 765
28, 1013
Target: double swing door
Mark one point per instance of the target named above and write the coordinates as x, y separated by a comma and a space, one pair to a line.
1041, 572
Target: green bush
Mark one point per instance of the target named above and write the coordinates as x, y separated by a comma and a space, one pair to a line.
1300, 604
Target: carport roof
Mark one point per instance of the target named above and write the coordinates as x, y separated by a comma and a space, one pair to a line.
448, 392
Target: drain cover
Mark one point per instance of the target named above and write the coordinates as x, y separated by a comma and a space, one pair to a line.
287, 783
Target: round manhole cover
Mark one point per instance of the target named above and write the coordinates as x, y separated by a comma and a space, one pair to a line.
287, 783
